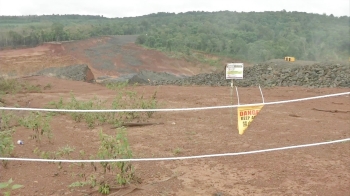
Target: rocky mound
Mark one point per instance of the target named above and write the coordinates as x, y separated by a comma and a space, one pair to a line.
146, 76
270, 74
72, 72
143, 77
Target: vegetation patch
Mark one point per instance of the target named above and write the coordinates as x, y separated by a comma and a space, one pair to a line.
106, 175
125, 99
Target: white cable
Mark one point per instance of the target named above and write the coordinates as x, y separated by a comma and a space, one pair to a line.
237, 96
173, 109
262, 96
177, 158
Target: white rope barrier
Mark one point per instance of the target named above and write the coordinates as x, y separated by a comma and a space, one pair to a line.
176, 109
173, 109
177, 158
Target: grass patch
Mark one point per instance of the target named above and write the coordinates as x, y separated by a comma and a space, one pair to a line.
111, 147
13, 86
106, 175
6, 132
177, 151
123, 100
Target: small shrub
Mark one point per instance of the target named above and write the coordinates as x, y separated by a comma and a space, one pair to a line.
10, 86
114, 147
150, 104
39, 123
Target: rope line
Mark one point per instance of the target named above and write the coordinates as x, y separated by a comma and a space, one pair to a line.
178, 158
174, 109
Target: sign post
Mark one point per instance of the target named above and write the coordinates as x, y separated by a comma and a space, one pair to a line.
233, 71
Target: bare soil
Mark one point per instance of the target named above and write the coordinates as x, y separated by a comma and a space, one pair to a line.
106, 56
320, 170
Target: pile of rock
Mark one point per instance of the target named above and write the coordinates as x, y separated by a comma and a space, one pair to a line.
269, 75
150, 77
72, 72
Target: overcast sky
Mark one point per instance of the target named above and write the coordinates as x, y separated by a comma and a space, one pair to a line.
130, 8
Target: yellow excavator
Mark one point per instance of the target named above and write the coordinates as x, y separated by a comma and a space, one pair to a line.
289, 58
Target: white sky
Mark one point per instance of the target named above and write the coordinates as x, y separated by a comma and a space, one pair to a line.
130, 8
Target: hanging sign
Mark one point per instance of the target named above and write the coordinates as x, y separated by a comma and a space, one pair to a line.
246, 115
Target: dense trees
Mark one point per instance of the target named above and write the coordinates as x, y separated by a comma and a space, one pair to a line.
256, 36
253, 36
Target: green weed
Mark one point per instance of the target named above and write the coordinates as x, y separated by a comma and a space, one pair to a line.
13, 86
150, 104
10, 86
177, 151
117, 85
66, 150
104, 188
116, 147
61, 152
48, 86
6, 145
39, 123
111, 147
31, 88
5, 120
8, 187
123, 100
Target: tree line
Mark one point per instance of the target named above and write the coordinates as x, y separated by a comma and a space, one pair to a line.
253, 36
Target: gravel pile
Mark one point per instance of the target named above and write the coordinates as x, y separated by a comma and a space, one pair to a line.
269, 75
72, 72
150, 77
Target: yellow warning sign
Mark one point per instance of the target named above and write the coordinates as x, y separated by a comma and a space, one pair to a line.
246, 115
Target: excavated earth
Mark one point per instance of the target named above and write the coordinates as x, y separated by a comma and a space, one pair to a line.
108, 57
315, 170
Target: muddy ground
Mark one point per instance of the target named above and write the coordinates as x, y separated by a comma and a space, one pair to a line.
320, 170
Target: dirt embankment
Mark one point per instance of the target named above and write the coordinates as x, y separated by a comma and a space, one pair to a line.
269, 74
266, 74
107, 57
117, 58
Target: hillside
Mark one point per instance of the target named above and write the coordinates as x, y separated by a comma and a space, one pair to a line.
253, 36
109, 56
191, 145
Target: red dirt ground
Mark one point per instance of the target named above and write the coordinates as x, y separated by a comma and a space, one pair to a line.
118, 52
320, 170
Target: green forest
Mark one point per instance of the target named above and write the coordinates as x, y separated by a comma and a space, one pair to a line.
250, 36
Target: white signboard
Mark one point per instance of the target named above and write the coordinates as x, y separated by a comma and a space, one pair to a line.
234, 71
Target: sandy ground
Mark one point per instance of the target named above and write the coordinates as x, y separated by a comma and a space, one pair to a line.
320, 170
